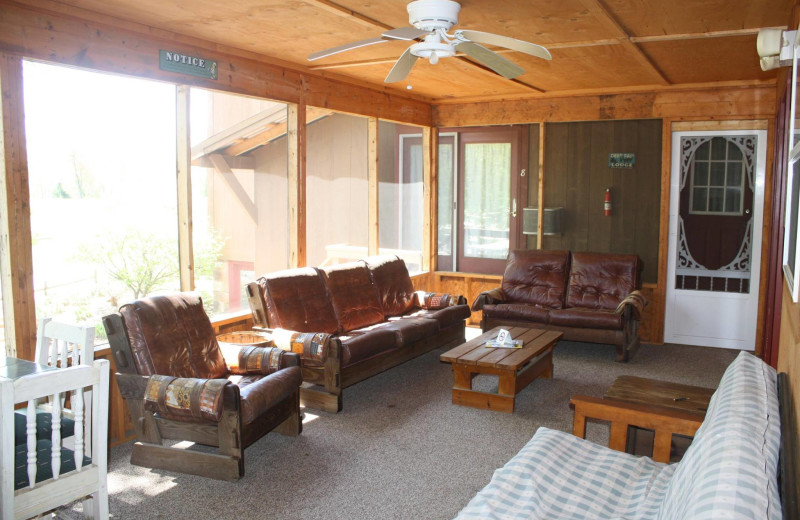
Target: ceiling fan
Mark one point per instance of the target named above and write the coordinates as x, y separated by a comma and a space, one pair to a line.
431, 20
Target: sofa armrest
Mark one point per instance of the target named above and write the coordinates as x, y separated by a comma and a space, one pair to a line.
636, 302
310, 346
253, 360
493, 296
186, 399
432, 301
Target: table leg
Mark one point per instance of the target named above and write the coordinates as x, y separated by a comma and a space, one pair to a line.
462, 377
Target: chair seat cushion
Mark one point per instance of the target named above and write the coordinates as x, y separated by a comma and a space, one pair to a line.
44, 429
517, 311
587, 318
44, 468
358, 345
445, 317
558, 475
260, 395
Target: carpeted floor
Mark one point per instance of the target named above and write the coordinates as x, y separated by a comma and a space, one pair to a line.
399, 449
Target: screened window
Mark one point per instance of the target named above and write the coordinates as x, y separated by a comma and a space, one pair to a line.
717, 179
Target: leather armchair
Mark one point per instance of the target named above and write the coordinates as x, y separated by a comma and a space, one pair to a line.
180, 385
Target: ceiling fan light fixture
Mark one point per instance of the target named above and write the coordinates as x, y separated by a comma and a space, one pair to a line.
432, 51
430, 15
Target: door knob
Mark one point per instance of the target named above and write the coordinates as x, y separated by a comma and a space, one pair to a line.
514, 208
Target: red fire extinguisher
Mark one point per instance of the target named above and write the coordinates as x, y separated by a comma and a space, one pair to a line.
607, 203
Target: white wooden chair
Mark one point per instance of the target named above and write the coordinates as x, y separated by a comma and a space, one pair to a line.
40, 475
60, 345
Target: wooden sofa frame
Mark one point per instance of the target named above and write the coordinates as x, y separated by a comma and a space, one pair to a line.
323, 384
227, 435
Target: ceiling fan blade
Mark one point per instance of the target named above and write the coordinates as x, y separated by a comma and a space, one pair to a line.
504, 41
494, 61
402, 67
345, 47
405, 33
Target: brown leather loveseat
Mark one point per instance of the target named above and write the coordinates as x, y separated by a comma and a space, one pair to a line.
180, 385
591, 297
351, 321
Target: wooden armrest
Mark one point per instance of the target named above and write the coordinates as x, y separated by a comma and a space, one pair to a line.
621, 414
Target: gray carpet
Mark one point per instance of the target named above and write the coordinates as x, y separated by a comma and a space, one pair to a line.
399, 449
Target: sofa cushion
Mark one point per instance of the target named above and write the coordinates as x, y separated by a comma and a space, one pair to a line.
445, 317
408, 329
297, 299
730, 468
358, 345
586, 318
602, 280
353, 295
558, 475
517, 311
172, 335
537, 277
391, 279
260, 395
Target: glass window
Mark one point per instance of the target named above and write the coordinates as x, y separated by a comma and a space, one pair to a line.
337, 187
717, 179
239, 194
101, 161
400, 193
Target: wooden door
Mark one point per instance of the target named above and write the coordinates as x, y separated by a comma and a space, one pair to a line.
490, 196
716, 214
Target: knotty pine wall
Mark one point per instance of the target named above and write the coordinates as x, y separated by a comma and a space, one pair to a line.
711, 107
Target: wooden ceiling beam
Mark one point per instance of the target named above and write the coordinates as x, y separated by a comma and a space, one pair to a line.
699, 36
334, 8
604, 16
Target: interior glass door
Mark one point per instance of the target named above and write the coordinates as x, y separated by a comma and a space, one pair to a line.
489, 207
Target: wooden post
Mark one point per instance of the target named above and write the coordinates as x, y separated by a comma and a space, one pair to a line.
374, 216
430, 157
16, 256
296, 133
540, 197
184, 174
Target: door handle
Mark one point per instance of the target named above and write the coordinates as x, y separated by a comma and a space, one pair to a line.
514, 208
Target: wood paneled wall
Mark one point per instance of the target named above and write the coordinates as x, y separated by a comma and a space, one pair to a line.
576, 175
789, 353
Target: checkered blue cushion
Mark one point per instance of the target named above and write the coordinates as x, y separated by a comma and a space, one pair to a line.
559, 476
729, 470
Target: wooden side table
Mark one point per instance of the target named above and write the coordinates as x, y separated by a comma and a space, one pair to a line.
515, 368
666, 408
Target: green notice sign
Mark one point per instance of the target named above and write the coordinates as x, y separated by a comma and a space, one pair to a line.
621, 160
185, 64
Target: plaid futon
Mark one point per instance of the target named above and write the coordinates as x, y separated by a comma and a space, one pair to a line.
729, 470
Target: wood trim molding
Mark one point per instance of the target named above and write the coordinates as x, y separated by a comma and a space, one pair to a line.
748, 102
373, 245
16, 255
184, 178
296, 133
540, 194
430, 196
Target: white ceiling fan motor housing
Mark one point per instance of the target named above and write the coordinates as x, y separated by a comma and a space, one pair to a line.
430, 15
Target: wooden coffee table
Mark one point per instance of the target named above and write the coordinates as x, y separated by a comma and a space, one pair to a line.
516, 368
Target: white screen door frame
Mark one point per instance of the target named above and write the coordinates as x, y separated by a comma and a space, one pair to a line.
706, 318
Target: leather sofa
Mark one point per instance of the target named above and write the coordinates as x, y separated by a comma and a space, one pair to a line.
590, 297
180, 384
351, 321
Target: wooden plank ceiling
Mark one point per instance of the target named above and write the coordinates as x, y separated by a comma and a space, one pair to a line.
597, 45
